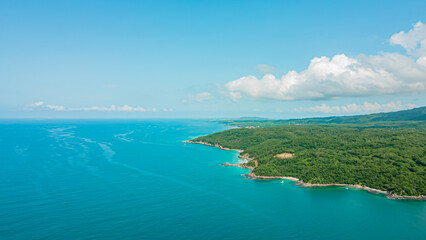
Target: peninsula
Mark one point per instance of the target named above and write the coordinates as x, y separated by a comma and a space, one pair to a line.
381, 155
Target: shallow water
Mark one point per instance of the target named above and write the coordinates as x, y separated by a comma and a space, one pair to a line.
135, 179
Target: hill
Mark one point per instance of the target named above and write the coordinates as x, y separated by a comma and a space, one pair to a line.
376, 150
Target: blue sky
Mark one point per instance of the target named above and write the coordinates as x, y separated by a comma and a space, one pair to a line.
201, 59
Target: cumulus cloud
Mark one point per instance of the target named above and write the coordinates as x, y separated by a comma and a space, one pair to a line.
358, 108
343, 76
112, 108
200, 97
414, 41
265, 68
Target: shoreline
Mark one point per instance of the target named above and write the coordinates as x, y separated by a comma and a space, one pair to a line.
299, 182
213, 145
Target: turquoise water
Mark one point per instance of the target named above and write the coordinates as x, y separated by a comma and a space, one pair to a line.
123, 179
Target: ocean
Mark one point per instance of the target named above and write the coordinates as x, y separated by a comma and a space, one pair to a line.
136, 179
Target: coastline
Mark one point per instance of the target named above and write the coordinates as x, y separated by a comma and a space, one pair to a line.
213, 145
299, 182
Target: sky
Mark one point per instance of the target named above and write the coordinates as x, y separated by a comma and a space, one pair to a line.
210, 59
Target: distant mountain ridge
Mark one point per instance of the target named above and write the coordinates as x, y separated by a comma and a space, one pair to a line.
416, 114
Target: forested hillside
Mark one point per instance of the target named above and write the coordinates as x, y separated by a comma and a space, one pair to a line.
387, 155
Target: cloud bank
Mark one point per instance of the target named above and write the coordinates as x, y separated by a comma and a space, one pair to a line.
112, 108
355, 108
343, 76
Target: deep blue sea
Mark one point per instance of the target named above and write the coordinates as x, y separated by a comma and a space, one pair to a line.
135, 179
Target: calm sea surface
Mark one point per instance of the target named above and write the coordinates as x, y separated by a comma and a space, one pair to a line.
135, 179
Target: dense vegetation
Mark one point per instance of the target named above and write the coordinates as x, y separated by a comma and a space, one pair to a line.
385, 155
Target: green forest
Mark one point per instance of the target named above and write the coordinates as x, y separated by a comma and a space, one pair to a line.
386, 155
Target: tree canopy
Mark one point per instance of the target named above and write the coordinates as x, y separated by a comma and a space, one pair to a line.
385, 155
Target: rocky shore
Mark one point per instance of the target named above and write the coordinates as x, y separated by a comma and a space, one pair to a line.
299, 182
213, 145
245, 156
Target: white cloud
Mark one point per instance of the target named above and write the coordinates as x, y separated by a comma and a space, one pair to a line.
343, 76
56, 108
31, 106
37, 104
355, 108
200, 97
414, 41
265, 68
112, 108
